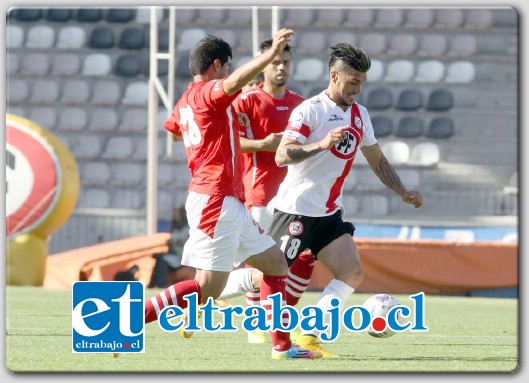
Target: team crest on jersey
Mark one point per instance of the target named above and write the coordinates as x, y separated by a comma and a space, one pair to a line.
358, 122
346, 148
295, 228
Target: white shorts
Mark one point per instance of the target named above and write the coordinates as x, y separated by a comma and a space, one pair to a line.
221, 232
260, 214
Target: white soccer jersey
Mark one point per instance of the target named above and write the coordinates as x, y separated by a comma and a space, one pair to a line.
314, 186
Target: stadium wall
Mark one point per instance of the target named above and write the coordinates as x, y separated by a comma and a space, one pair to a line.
390, 266
101, 262
434, 267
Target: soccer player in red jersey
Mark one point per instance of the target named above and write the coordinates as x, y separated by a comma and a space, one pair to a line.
267, 107
222, 231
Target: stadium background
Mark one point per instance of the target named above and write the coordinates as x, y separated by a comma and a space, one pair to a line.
442, 94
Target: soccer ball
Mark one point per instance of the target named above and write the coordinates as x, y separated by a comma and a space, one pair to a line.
378, 306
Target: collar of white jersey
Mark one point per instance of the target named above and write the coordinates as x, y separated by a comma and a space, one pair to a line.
325, 98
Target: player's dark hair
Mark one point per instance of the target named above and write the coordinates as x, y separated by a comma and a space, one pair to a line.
267, 44
206, 51
351, 56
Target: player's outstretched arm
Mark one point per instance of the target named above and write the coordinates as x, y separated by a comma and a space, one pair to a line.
389, 177
247, 72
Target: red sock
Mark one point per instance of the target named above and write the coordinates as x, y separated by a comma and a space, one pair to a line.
269, 286
298, 277
172, 296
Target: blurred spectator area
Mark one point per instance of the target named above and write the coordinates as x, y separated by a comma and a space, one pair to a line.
442, 94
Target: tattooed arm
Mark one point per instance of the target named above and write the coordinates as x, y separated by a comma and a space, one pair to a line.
291, 151
382, 168
387, 174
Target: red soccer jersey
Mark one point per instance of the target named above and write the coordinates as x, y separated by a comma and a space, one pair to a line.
267, 115
203, 116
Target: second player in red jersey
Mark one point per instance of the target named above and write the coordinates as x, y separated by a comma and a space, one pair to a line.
268, 115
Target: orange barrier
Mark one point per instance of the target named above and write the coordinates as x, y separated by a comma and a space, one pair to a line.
435, 267
101, 262
390, 266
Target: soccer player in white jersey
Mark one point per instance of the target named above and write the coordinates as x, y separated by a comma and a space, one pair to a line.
221, 230
319, 146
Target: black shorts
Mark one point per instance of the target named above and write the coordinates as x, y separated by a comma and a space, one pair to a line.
294, 233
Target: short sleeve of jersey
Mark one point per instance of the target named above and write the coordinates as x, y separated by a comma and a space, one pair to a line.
368, 138
213, 94
299, 123
171, 125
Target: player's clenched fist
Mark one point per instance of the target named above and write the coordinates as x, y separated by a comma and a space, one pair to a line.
412, 197
334, 137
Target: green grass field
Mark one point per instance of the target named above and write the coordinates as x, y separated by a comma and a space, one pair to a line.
465, 335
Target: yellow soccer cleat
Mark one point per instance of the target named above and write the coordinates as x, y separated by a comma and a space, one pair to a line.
310, 342
295, 334
256, 337
188, 334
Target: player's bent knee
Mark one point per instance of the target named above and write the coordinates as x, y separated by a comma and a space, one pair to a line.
270, 262
211, 283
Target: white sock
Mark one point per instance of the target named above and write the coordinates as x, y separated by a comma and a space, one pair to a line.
335, 289
239, 283
253, 298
